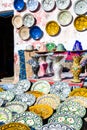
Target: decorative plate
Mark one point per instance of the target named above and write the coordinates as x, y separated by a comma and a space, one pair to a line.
72, 120
50, 46
29, 118
29, 99
61, 89
17, 21
73, 107
79, 92
32, 5
24, 33
23, 85
80, 7
35, 32
1, 101
65, 18
14, 126
49, 99
41, 86
56, 126
80, 99
45, 111
7, 95
16, 107
5, 115
36, 93
63, 4
80, 23
19, 5
48, 5
52, 28
28, 20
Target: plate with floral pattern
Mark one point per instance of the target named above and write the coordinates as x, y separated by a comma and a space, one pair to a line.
29, 118
29, 99
32, 5
72, 120
73, 107
7, 95
5, 115
62, 4
56, 126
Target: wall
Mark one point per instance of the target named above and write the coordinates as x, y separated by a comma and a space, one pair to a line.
67, 36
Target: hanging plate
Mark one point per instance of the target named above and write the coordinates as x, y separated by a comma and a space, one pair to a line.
62, 4
19, 5
24, 33
32, 5
17, 21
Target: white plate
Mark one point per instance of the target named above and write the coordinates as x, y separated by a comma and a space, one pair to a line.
62, 4
32, 5
65, 18
80, 7
7, 95
42, 86
48, 5
28, 20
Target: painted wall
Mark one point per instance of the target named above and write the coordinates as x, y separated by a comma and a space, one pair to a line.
67, 36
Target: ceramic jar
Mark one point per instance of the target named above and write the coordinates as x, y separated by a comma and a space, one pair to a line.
76, 69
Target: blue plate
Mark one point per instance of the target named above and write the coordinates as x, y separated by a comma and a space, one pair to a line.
36, 33
19, 5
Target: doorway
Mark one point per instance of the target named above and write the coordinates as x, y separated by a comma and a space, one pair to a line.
6, 46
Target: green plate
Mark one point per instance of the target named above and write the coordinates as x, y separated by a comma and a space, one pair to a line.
50, 46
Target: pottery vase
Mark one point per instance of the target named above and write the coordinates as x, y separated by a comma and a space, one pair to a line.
57, 68
76, 69
43, 66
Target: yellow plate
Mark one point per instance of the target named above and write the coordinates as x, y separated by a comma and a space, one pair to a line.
36, 93
45, 111
14, 126
80, 23
52, 28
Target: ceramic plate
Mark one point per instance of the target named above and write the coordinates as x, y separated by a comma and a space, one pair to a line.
50, 46
65, 18
73, 107
80, 23
28, 20
5, 115
41, 86
16, 107
61, 89
19, 5
29, 99
48, 5
45, 111
56, 126
24, 33
17, 21
36, 93
32, 5
7, 95
63, 4
69, 119
80, 7
23, 85
14, 126
29, 118
36, 32
1, 101
49, 99
52, 28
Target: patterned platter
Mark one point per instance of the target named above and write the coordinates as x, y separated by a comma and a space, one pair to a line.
17, 21
56, 126
49, 99
60, 89
16, 107
73, 107
14, 126
63, 4
36, 93
24, 33
80, 99
32, 5
45, 111
7, 95
29, 118
79, 92
80, 7
80, 23
5, 115
41, 86
69, 119
29, 99
52, 28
